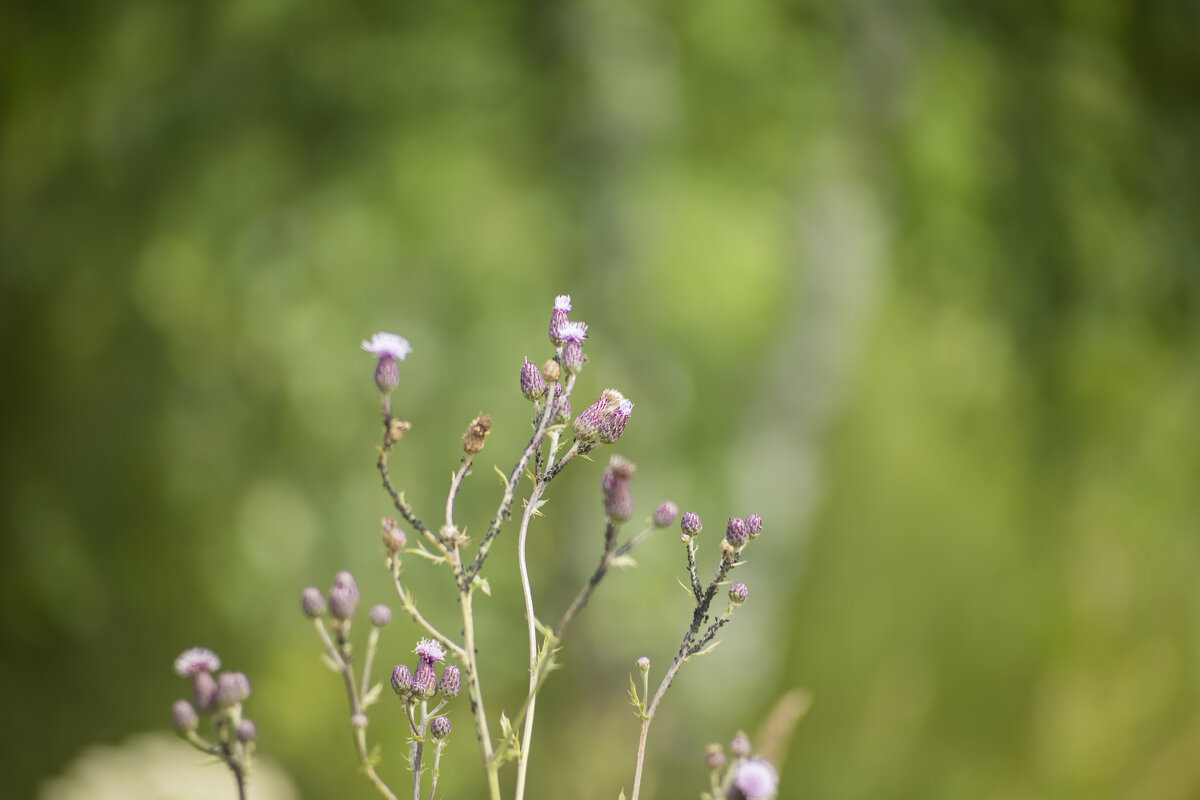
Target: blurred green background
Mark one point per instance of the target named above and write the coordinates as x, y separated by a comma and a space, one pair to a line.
916, 281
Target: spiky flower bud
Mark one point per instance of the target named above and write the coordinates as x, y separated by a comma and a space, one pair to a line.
573, 335
690, 523
614, 424
551, 370
232, 688
738, 593
343, 597
754, 779
390, 348
533, 385
312, 602
183, 716
451, 682
618, 495
754, 525
440, 728
193, 661
424, 680
393, 538
737, 532
740, 744
589, 423
246, 731
665, 514
401, 680
562, 306
380, 615
476, 435
562, 410
714, 756
204, 689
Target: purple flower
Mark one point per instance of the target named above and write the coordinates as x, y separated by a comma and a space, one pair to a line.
343, 597
533, 385
312, 602
614, 425
440, 728
196, 660
451, 683
388, 344
401, 679
618, 496
754, 524
429, 651
183, 716
232, 688
755, 779
665, 514
690, 523
573, 334
737, 532
562, 305
589, 423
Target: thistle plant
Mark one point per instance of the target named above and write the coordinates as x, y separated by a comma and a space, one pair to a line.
218, 698
427, 689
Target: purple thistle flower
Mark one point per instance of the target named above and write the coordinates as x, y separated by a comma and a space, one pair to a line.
737, 532
183, 716
401, 679
204, 689
533, 385
754, 524
312, 602
424, 680
562, 305
451, 683
390, 348
429, 651
754, 779
440, 728
573, 334
589, 422
614, 425
232, 688
196, 660
343, 597
690, 523
740, 744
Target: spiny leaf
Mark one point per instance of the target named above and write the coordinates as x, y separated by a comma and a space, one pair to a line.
546, 630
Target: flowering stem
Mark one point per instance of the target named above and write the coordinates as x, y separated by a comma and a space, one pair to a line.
398, 500
411, 609
474, 690
360, 735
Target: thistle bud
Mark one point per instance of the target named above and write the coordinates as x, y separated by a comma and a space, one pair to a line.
393, 538
738, 593
380, 615
183, 716
573, 334
562, 410
590, 422
204, 689
343, 597
714, 756
246, 731
551, 371
451, 682
614, 424
665, 514
533, 385
740, 745
232, 688
618, 495
562, 306
359, 721
312, 602
401, 680
440, 728
390, 348
643, 665
737, 532
754, 525
476, 435
690, 523
754, 779
424, 680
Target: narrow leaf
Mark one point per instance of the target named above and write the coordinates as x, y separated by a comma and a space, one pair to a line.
329, 662
623, 562
372, 697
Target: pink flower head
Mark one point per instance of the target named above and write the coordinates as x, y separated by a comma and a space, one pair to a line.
430, 651
756, 779
614, 425
388, 344
562, 305
196, 660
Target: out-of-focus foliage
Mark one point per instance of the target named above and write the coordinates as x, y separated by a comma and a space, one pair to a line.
916, 281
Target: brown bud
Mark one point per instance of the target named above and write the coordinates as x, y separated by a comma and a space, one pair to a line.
393, 538
551, 371
396, 429
728, 550
476, 435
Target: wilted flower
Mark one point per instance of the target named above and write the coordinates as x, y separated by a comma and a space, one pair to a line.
476, 435
589, 423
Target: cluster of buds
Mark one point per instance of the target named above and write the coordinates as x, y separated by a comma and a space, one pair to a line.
220, 698
413, 686
742, 778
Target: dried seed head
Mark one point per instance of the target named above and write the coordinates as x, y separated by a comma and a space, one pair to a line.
551, 371
476, 435
396, 429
